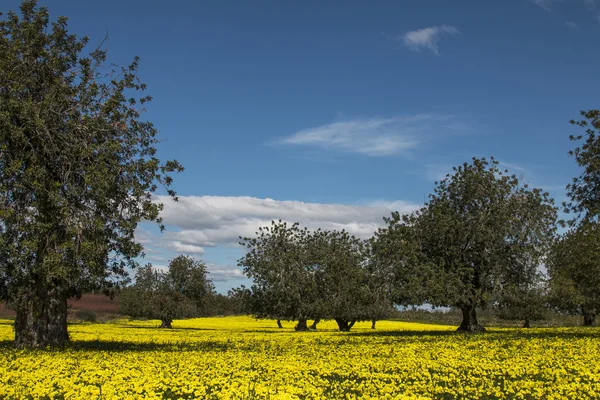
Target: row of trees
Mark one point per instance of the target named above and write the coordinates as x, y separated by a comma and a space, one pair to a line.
482, 234
484, 238
301, 275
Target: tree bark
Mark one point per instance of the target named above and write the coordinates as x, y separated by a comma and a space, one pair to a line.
41, 318
314, 324
469, 322
527, 323
166, 323
344, 325
301, 326
351, 324
279, 324
589, 319
373, 321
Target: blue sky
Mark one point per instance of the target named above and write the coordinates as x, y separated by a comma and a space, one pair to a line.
335, 113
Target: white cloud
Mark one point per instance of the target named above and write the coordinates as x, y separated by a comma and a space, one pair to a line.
571, 24
427, 38
545, 4
376, 136
179, 247
224, 273
205, 221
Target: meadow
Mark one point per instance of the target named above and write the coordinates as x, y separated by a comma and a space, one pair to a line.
244, 358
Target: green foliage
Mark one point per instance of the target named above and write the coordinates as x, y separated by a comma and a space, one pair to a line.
300, 275
278, 261
522, 302
575, 282
182, 292
480, 228
575, 272
584, 190
78, 166
342, 279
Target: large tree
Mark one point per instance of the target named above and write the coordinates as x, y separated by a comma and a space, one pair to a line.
479, 227
183, 291
78, 167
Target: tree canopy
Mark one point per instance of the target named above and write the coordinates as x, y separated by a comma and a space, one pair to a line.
575, 272
183, 291
584, 190
78, 167
480, 228
301, 275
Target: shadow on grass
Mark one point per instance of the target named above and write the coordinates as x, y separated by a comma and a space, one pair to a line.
221, 346
157, 328
493, 334
118, 346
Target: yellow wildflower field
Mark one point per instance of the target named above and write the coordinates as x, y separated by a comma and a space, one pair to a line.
244, 358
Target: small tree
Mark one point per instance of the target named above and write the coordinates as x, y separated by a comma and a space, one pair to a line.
522, 302
479, 227
182, 292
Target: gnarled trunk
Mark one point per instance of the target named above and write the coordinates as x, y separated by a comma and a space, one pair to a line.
279, 324
373, 321
301, 326
589, 319
314, 324
41, 318
166, 323
469, 322
344, 325
527, 323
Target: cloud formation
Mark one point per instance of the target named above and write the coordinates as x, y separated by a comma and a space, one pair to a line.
375, 137
547, 4
571, 24
224, 273
196, 222
427, 38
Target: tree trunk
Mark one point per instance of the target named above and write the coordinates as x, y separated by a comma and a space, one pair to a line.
301, 326
41, 318
527, 323
589, 319
343, 325
469, 322
279, 324
351, 324
314, 324
166, 323
373, 321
